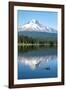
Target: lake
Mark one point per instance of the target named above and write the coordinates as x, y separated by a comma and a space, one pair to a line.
40, 62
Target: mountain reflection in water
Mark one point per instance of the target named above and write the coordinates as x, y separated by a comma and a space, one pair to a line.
36, 62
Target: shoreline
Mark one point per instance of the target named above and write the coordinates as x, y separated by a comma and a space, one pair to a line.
22, 44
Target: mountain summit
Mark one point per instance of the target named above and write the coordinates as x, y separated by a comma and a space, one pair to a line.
35, 25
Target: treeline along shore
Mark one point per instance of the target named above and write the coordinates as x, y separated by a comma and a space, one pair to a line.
29, 41
26, 43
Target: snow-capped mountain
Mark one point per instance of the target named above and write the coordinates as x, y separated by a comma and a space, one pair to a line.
35, 25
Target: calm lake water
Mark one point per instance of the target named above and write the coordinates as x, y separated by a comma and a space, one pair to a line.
37, 63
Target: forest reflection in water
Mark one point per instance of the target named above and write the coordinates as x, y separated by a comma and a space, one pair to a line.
25, 48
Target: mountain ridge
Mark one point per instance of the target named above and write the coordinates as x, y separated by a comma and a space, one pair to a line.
39, 35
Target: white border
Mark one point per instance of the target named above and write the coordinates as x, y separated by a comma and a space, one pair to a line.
43, 80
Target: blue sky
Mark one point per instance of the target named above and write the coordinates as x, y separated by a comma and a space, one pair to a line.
44, 17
